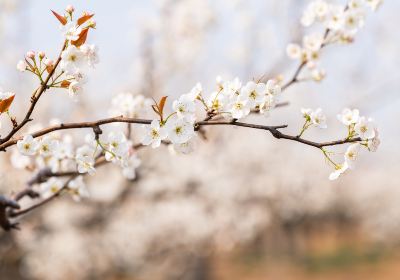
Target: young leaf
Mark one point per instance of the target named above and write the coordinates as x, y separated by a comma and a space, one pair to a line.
162, 104
84, 18
82, 38
60, 18
6, 103
65, 84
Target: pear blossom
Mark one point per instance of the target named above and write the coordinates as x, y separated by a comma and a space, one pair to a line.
117, 146
365, 128
185, 108
313, 42
351, 154
184, 148
179, 131
91, 53
373, 144
47, 146
240, 107
71, 31
318, 118
30, 54
71, 59
51, 187
273, 88
21, 66
348, 116
77, 188
293, 51
129, 166
154, 134
28, 146
85, 159
340, 169
374, 4
254, 93
75, 89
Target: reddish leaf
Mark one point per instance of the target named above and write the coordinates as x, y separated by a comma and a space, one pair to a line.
65, 84
162, 104
6, 103
82, 38
60, 18
49, 68
84, 18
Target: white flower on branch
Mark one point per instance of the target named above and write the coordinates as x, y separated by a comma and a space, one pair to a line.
85, 160
185, 107
340, 169
72, 59
154, 134
21, 66
77, 188
240, 108
129, 166
351, 154
348, 116
91, 54
47, 146
318, 118
254, 93
117, 146
52, 186
71, 31
365, 128
28, 146
179, 131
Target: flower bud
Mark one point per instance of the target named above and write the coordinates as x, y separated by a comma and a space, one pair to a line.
41, 55
70, 9
21, 66
92, 24
48, 62
30, 54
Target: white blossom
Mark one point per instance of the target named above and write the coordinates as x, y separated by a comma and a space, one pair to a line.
154, 134
72, 59
129, 166
28, 146
91, 54
179, 131
21, 66
348, 116
185, 107
351, 154
71, 31
77, 188
365, 128
318, 118
240, 107
338, 171
47, 146
85, 159
51, 187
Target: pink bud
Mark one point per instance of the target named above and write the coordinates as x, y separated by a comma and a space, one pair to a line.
48, 62
70, 9
41, 55
30, 54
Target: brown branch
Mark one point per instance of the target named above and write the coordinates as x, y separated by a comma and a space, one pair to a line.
34, 99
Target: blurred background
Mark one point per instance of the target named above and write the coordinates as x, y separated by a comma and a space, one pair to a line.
242, 206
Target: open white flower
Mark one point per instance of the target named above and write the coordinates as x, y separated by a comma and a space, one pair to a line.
77, 188
373, 144
185, 107
293, 51
365, 128
254, 93
85, 160
75, 89
154, 134
273, 88
72, 59
179, 131
21, 66
318, 118
374, 4
129, 166
351, 154
338, 171
28, 146
51, 187
240, 107
91, 54
71, 31
313, 42
348, 116
117, 146
48, 146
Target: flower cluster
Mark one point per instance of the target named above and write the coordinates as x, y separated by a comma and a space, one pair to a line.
357, 127
341, 24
